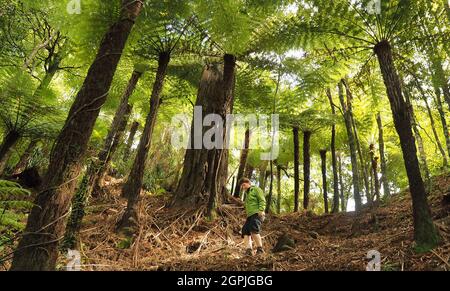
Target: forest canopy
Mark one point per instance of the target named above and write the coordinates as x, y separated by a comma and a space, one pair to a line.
89, 90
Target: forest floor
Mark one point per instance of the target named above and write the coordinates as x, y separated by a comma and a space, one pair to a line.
175, 239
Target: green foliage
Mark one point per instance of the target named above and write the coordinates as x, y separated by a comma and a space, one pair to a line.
13, 207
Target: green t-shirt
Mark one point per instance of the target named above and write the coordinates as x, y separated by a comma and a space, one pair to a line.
255, 201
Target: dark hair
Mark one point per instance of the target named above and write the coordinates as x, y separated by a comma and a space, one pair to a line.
244, 180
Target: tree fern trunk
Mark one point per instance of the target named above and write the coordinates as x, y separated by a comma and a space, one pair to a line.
374, 162
341, 185
323, 158
435, 134
242, 161
201, 171
384, 168
132, 187
263, 175
363, 166
306, 167
115, 132
25, 158
418, 137
278, 189
443, 120
130, 140
9, 141
37, 250
296, 169
333, 157
249, 169
218, 185
352, 146
105, 160
269, 200
425, 233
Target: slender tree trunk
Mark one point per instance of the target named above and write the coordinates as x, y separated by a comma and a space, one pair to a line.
278, 189
269, 200
132, 187
436, 135
242, 162
341, 185
106, 164
130, 140
200, 174
384, 168
115, 133
25, 158
363, 165
364, 170
352, 145
296, 169
306, 167
374, 161
323, 158
37, 250
263, 175
441, 78
443, 120
447, 9
248, 171
333, 157
425, 233
433, 123
418, 137
9, 141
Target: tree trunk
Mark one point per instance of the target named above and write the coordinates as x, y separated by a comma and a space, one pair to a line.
115, 133
333, 157
105, 160
306, 167
218, 184
374, 162
341, 185
384, 168
296, 169
436, 135
352, 145
440, 77
242, 162
363, 166
278, 189
425, 233
443, 120
132, 187
262, 175
200, 170
269, 200
37, 250
323, 158
25, 158
418, 137
130, 140
249, 171
87, 187
9, 141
